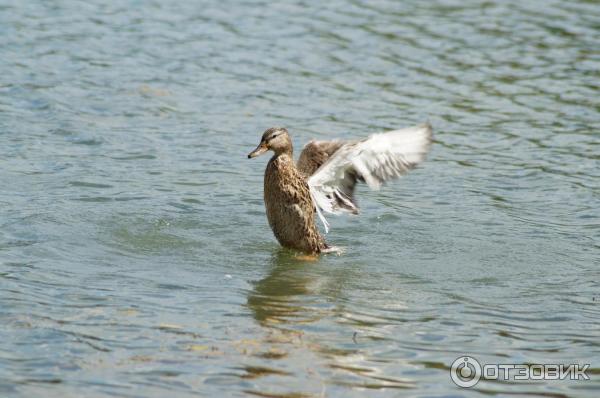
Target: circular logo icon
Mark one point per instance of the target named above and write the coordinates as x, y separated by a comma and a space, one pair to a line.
465, 372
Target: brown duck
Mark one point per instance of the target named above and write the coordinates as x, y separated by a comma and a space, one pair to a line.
325, 176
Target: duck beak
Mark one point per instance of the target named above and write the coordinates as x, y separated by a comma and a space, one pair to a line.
260, 149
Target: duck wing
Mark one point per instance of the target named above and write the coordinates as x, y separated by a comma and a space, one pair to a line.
315, 153
374, 160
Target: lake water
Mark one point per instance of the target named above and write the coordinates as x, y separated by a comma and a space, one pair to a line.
135, 255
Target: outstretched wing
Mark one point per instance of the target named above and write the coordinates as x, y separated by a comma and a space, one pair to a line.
315, 153
376, 159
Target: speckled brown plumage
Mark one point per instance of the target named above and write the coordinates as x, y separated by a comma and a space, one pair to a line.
315, 153
289, 206
325, 176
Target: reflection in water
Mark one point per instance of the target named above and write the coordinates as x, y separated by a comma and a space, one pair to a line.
283, 295
281, 300
298, 297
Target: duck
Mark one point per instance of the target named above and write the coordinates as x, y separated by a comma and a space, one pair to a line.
323, 179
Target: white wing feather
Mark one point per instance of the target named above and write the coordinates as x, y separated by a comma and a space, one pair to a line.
379, 158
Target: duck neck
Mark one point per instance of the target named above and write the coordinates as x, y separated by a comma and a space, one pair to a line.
286, 151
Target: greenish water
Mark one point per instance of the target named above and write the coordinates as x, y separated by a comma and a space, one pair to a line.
135, 256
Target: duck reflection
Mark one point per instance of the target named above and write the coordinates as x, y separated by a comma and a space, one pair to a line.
289, 293
296, 293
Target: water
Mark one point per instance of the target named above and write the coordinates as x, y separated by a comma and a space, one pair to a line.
135, 256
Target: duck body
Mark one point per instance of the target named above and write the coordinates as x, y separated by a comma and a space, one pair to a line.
325, 177
289, 206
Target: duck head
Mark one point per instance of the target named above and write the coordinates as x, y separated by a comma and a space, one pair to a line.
275, 139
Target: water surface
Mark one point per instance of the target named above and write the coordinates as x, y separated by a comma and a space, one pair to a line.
135, 256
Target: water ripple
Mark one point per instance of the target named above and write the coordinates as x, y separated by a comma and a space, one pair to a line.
135, 256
